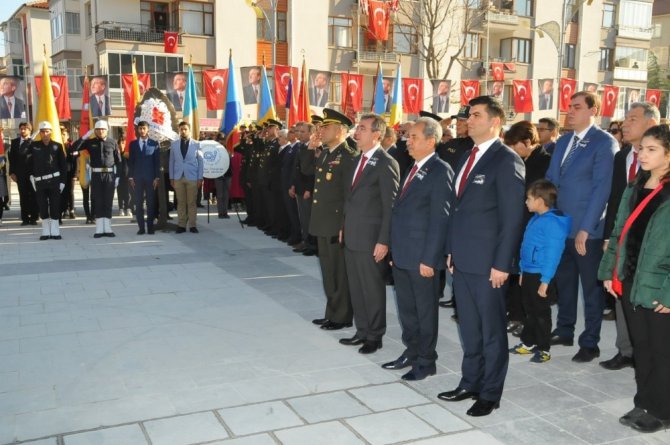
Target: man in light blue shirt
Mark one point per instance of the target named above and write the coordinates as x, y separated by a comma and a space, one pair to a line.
186, 170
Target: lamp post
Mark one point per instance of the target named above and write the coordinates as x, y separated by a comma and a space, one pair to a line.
272, 25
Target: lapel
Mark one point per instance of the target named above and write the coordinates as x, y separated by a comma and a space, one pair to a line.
369, 167
481, 164
419, 177
582, 147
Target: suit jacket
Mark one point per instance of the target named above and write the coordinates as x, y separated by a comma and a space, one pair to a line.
483, 230
401, 155
451, 152
420, 215
191, 166
18, 157
95, 107
437, 107
367, 206
174, 98
584, 186
288, 156
19, 108
619, 183
544, 103
249, 94
313, 99
144, 165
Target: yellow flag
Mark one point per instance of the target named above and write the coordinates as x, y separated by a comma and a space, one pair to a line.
46, 107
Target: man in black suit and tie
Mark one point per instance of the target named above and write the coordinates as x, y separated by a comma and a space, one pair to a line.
178, 92
252, 89
441, 99
143, 174
18, 169
99, 101
420, 215
319, 91
483, 238
11, 107
546, 99
373, 182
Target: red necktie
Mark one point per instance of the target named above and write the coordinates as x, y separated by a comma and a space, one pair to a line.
361, 166
632, 171
412, 172
102, 111
466, 172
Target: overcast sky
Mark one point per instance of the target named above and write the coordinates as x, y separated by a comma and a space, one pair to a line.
8, 8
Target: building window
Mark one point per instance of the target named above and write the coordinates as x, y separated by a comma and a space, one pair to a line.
635, 15
519, 50
573, 8
72, 23
281, 26
89, 19
609, 11
154, 15
606, 62
56, 26
474, 4
471, 48
569, 56
17, 64
264, 29
339, 32
157, 66
524, 8
196, 18
405, 39
657, 31
627, 57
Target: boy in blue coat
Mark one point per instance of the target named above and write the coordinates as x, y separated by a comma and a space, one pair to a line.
541, 251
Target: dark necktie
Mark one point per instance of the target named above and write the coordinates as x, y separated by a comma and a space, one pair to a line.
412, 172
184, 147
571, 154
144, 147
466, 172
361, 166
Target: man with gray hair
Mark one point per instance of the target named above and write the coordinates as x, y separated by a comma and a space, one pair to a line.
421, 210
640, 117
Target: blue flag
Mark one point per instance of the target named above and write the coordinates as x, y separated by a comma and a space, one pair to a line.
232, 115
191, 104
379, 107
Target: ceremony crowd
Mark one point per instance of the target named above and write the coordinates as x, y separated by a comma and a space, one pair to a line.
515, 220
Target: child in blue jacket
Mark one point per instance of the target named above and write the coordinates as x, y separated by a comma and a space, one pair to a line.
541, 251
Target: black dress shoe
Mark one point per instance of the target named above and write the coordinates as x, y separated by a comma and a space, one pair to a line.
180, 230
320, 321
353, 341
56, 237
25, 223
482, 408
648, 423
617, 362
448, 303
419, 373
309, 252
370, 346
98, 235
457, 395
141, 232
455, 318
194, 230
44, 237
631, 416
334, 326
109, 234
151, 231
399, 363
33, 223
556, 340
585, 355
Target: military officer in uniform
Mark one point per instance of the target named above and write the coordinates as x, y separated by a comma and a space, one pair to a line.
47, 169
267, 176
18, 159
105, 165
326, 218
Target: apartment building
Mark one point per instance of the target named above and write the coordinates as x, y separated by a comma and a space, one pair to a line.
660, 47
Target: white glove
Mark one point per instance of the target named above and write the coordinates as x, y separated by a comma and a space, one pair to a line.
88, 134
61, 186
32, 181
116, 182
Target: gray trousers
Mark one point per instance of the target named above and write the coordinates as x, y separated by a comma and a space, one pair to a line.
304, 213
222, 194
623, 343
368, 294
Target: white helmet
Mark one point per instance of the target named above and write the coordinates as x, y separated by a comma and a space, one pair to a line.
45, 125
101, 124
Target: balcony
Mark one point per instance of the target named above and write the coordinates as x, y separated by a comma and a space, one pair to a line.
374, 56
635, 33
503, 18
133, 32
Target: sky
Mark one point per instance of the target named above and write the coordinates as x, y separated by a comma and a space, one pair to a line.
8, 8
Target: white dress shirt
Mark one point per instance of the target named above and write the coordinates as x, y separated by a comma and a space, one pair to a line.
581, 135
364, 158
483, 148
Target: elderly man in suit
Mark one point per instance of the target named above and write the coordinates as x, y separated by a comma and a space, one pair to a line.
11, 107
420, 215
186, 170
581, 168
99, 100
373, 182
251, 89
483, 238
143, 174
178, 93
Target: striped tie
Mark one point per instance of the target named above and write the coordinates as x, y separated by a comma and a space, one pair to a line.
571, 154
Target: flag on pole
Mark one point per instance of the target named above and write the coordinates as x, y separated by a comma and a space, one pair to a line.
523, 96
134, 86
85, 121
396, 101
266, 107
412, 94
378, 104
232, 114
469, 90
654, 97
61, 94
46, 107
170, 41
568, 87
303, 108
291, 106
610, 98
191, 104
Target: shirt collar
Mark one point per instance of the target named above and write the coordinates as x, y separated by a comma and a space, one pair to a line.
582, 134
371, 152
485, 145
421, 163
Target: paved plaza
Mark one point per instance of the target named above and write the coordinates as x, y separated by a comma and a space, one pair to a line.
191, 339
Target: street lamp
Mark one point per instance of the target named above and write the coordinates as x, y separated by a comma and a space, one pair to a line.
260, 13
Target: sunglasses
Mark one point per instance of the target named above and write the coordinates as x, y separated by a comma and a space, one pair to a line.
614, 131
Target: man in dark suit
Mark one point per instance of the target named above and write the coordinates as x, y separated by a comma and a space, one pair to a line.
178, 91
581, 168
99, 100
373, 182
640, 117
547, 129
11, 107
143, 175
483, 239
287, 171
397, 148
18, 169
420, 214
441, 98
251, 90
318, 92
546, 96
303, 185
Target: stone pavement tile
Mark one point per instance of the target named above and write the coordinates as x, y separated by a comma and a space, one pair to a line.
210, 397
26, 400
320, 407
9, 381
270, 388
258, 418
329, 433
23, 332
258, 439
389, 396
616, 407
531, 432
7, 429
50, 343
542, 399
508, 411
659, 438
391, 427
469, 437
184, 430
127, 435
440, 418
582, 391
50, 441
591, 424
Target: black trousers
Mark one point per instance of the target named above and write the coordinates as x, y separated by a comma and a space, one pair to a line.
67, 198
537, 324
102, 194
28, 201
650, 335
87, 202
515, 305
144, 187
48, 201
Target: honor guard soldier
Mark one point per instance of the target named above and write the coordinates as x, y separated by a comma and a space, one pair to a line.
105, 165
268, 176
326, 218
47, 170
18, 163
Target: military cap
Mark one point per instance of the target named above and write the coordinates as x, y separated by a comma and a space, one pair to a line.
335, 117
430, 115
316, 119
276, 123
463, 112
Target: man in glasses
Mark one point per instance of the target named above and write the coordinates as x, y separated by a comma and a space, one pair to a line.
547, 128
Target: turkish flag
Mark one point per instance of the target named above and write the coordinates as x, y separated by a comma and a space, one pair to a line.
610, 97
216, 87
143, 81
654, 97
170, 40
412, 95
61, 95
352, 89
568, 88
469, 90
523, 96
378, 20
282, 75
498, 71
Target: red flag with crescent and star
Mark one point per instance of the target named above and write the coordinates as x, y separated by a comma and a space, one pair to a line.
523, 96
412, 95
143, 82
170, 40
353, 92
61, 95
568, 88
282, 75
610, 97
654, 97
378, 20
216, 86
498, 70
469, 90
